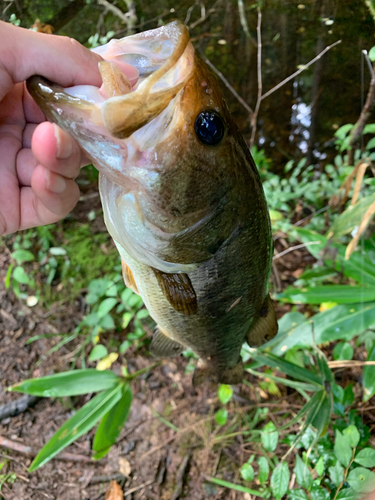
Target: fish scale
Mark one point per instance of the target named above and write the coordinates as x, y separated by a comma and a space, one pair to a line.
181, 196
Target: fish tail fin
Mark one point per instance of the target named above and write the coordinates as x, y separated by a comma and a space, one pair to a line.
265, 327
206, 372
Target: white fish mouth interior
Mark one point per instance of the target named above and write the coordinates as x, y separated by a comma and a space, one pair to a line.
147, 52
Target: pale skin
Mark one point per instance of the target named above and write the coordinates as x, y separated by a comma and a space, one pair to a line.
38, 161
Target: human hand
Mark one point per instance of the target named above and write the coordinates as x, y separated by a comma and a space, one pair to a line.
38, 160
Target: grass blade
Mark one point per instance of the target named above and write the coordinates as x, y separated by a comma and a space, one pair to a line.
79, 424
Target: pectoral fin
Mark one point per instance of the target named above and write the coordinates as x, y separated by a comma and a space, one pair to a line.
162, 346
178, 290
265, 327
128, 277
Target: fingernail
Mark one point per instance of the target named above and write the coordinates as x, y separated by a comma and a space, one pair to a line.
64, 144
55, 182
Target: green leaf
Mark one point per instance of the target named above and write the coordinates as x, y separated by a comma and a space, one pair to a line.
371, 54
269, 437
336, 473
343, 131
225, 393
352, 434
280, 480
342, 322
264, 470
112, 423
368, 380
99, 287
347, 494
303, 475
107, 322
369, 129
79, 424
360, 266
290, 369
340, 294
342, 448
236, 487
126, 318
319, 493
20, 275
351, 218
362, 480
298, 495
319, 466
321, 412
343, 350
22, 256
68, 383
98, 352
221, 416
124, 347
8, 276
247, 472
105, 306
366, 457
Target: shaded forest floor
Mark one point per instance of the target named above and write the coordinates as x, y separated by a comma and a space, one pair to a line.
170, 442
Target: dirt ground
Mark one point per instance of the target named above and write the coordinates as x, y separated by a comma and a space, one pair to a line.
155, 457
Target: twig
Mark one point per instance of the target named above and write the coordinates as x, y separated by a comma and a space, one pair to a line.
104, 479
115, 10
28, 451
245, 26
180, 478
305, 66
259, 72
228, 85
296, 247
357, 130
348, 363
204, 15
14, 408
136, 488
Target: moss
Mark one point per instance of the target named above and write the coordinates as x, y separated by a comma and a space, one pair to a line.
88, 261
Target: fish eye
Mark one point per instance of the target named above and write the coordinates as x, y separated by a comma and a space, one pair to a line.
209, 127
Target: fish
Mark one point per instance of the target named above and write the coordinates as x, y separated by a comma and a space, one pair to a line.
181, 195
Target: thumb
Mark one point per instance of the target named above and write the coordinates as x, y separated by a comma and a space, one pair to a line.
61, 59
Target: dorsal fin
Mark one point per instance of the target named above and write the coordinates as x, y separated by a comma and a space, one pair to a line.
178, 290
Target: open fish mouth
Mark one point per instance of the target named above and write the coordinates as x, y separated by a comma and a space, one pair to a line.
163, 59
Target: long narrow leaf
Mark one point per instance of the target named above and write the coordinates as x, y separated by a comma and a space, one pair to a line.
70, 383
286, 367
341, 294
342, 322
112, 423
286, 382
235, 487
79, 424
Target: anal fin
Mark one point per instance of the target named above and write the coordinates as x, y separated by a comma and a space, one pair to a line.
162, 346
265, 326
178, 290
128, 277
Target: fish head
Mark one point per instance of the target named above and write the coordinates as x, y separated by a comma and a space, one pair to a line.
169, 154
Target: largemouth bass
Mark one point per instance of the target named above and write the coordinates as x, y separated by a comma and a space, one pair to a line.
181, 195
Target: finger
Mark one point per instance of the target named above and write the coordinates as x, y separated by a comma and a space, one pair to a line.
27, 134
60, 59
50, 198
56, 150
26, 163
